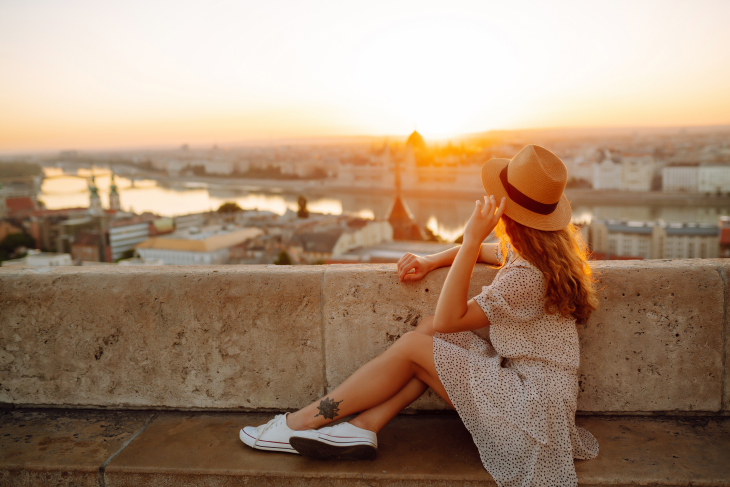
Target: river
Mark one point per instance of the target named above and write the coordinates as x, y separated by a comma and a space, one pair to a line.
446, 217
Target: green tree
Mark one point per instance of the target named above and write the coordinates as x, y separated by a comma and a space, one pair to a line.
198, 170
127, 254
302, 212
283, 258
12, 242
229, 207
430, 236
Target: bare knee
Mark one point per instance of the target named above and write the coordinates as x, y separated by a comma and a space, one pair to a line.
407, 342
425, 326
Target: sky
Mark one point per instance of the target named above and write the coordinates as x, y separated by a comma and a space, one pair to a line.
83, 74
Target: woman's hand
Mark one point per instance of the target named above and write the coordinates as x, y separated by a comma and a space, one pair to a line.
485, 217
419, 265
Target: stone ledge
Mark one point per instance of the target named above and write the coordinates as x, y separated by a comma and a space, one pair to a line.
277, 337
190, 449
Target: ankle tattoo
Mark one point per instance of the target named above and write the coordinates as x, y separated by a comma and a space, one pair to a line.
328, 408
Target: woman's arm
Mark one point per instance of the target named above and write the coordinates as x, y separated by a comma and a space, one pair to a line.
423, 265
454, 311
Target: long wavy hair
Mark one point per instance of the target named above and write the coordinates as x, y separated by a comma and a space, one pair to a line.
562, 257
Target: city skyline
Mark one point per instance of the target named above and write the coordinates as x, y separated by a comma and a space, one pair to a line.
87, 76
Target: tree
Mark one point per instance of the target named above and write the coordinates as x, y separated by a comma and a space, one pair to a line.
430, 236
302, 212
229, 207
127, 254
283, 258
14, 241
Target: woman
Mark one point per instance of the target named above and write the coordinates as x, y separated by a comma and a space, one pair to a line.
517, 392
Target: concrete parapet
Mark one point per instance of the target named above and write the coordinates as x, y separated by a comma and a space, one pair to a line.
277, 337
179, 337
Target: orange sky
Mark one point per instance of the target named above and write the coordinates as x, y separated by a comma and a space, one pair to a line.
83, 74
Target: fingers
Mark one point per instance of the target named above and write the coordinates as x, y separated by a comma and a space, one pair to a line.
411, 277
500, 210
406, 267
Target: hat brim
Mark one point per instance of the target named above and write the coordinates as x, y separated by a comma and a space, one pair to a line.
557, 220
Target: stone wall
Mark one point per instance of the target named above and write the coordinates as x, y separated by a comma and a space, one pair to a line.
278, 337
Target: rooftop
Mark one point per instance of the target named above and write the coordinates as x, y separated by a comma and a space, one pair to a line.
208, 239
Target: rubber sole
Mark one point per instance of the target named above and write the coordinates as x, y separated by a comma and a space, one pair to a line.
324, 451
263, 445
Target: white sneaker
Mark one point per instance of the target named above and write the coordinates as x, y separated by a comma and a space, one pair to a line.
341, 442
272, 436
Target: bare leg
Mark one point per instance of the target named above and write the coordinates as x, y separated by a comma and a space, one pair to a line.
376, 417
376, 382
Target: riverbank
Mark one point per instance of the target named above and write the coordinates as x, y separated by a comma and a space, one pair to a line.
320, 188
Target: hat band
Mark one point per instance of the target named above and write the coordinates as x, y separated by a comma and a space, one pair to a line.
522, 199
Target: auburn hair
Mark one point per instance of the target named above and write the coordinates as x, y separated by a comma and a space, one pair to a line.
561, 256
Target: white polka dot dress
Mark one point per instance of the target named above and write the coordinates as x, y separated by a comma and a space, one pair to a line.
518, 394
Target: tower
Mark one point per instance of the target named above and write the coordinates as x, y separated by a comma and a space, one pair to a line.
94, 199
114, 203
400, 216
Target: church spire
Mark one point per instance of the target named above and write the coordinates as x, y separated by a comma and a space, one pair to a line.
94, 199
114, 203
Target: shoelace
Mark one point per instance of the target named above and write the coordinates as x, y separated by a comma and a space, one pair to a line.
271, 423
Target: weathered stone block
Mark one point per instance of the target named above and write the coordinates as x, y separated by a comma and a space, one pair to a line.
656, 341
366, 309
182, 337
723, 268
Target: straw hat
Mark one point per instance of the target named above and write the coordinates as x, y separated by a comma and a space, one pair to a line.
533, 182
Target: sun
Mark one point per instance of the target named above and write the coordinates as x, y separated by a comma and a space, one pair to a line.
432, 74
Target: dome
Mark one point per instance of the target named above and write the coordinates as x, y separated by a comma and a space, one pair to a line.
416, 141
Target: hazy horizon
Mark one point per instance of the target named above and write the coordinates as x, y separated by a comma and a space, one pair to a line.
88, 76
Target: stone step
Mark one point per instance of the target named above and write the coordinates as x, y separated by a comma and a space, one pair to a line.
81, 448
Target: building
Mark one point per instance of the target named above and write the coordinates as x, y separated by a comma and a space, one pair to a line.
334, 239
689, 241
654, 240
606, 174
219, 167
44, 225
175, 166
18, 190
95, 207
416, 169
637, 172
36, 258
87, 247
725, 236
713, 178
402, 221
183, 222
114, 202
680, 178
123, 235
195, 246
19, 207
388, 252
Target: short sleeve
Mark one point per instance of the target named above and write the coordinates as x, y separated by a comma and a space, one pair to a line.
516, 296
